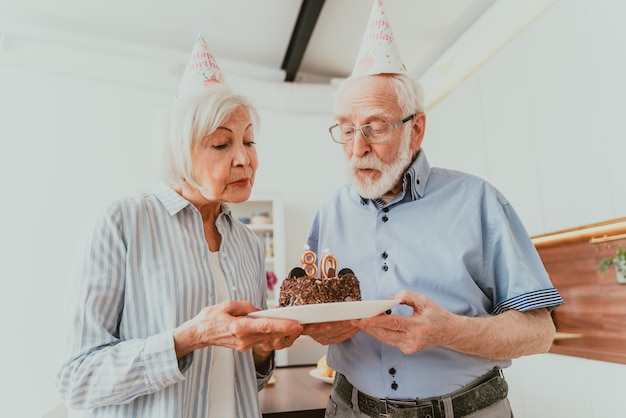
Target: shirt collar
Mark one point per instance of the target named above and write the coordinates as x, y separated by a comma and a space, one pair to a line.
417, 176
174, 202
414, 182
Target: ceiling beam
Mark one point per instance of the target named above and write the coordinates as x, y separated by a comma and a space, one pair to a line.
307, 18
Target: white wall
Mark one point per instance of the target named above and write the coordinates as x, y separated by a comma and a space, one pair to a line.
298, 159
541, 121
554, 386
67, 146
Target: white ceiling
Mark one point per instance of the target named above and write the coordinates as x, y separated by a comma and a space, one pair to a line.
250, 32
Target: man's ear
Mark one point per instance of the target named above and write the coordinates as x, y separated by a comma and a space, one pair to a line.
419, 128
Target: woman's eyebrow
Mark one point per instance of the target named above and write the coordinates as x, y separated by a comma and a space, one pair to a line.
230, 130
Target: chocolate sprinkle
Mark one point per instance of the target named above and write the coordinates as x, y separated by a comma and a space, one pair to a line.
309, 290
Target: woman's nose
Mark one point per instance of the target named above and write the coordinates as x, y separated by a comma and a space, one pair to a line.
241, 155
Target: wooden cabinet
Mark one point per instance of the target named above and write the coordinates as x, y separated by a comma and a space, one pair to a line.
593, 316
265, 215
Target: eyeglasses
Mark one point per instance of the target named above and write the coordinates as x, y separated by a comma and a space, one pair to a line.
373, 133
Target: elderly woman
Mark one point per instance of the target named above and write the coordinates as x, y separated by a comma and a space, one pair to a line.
158, 324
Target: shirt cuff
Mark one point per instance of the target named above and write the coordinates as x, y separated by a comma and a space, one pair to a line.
160, 362
262, 379
546, 298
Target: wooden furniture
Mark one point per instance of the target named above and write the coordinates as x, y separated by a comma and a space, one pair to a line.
294, 394
592, 322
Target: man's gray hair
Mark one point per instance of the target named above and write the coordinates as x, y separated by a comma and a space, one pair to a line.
409, 92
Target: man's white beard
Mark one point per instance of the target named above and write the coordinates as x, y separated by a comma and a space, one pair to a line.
391, 174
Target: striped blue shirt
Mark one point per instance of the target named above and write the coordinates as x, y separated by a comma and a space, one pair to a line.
144, 270
449, 236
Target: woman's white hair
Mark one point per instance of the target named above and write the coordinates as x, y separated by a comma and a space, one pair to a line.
191, 119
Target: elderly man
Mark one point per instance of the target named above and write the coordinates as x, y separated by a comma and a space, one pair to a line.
472, 289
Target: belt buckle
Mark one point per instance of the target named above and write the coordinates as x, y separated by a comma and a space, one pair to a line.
382, 408
383, 405
403, 404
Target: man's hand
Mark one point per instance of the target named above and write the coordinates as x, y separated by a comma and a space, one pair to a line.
330, 332
508, 335
424, 329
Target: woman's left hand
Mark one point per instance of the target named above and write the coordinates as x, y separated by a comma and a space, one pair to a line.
226, 325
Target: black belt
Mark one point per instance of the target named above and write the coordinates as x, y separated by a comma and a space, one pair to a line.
486, 391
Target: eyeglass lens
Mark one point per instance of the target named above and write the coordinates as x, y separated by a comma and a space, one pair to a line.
374, 131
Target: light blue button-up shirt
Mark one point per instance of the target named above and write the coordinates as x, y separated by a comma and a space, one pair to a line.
144, 271
449, 236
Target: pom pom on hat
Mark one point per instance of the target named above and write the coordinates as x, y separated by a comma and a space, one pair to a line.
378, 53
201, 71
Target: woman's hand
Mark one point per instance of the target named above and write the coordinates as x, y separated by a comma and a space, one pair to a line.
226, 325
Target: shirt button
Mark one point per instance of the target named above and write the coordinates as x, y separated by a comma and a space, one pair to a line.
384, 255
385, 210
394, 386
385, 218
385, 268
392, 371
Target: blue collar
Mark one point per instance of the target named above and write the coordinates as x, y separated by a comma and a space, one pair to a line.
414, 182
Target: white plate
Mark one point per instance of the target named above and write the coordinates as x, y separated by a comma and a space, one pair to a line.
315, 374
328, 312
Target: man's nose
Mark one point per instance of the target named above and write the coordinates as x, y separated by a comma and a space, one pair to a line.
360, 146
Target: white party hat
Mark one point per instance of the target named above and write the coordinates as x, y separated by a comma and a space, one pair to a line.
378, 53
202, 70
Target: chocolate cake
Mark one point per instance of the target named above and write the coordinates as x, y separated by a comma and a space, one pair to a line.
301, 289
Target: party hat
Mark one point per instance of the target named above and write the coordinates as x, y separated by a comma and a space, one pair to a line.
378, 54
202, 70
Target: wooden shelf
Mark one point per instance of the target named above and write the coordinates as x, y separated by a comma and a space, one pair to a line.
261, 227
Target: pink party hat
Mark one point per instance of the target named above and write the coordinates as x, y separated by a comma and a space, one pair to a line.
202, 70
378, 54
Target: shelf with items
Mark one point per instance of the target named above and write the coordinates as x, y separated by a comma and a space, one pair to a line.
263, 213
261, 227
